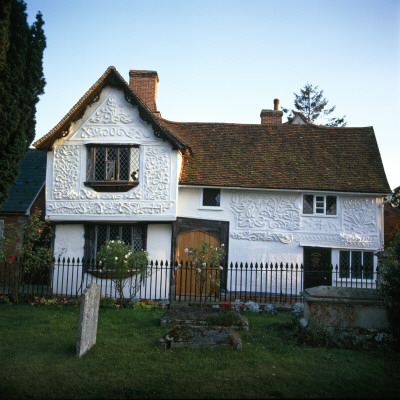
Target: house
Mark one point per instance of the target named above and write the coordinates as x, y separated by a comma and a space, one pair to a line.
28, 192
270, 192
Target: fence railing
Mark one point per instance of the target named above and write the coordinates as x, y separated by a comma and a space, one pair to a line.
262, 283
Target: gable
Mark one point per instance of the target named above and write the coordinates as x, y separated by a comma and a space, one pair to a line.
111, 119
110, 78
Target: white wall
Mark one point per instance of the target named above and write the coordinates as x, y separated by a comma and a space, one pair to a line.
268, 226
111, 120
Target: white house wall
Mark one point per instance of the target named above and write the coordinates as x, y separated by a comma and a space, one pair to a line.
111, 120
267, 226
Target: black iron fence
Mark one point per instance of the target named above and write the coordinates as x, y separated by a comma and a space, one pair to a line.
262, 283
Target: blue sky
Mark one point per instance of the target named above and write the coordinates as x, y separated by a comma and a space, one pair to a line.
224, 61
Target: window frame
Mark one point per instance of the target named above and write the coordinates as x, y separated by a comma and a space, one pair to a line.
350, 273
91, 237
209, 207
111, 185
317, 205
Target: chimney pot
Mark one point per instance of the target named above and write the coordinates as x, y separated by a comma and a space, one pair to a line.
274, 116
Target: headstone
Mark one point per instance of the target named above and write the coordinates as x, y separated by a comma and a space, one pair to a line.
87, 329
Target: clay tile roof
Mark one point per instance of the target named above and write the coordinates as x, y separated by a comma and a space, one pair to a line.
110, 77
298, 157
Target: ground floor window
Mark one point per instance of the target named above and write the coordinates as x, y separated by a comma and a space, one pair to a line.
97, 235
356, 264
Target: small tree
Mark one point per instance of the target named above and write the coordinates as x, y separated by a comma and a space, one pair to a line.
312, 105
205, 262
395, 201
390, 285
26, 262
120, 263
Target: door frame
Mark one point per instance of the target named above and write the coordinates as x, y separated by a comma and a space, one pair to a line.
219, 229
326, 278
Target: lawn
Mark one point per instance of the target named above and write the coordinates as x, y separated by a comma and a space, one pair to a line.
38, 359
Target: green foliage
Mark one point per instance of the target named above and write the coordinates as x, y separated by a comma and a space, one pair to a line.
312, 105
395, 202
29, 261
146, 306
390, 273
21, 84
118, 257
108, 302
206, 262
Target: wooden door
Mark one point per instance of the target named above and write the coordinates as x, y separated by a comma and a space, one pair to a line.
185, 279
317, 267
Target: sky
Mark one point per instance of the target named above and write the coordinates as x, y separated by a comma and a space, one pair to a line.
226, 60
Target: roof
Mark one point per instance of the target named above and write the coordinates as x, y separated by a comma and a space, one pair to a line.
281, 156
31, 179
110, 77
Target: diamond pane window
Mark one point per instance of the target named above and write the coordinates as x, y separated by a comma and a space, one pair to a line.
319, 205
356, 264
308, 204
211, 197
112, 165
344, 264
133, 235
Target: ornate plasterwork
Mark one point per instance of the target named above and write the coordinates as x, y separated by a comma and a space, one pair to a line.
134, 194
115, 119
269, 212
262, 236
66, 172
107, 208
320, 224
157, 174
359, 216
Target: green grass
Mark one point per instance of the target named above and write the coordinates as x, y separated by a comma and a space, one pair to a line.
38, 360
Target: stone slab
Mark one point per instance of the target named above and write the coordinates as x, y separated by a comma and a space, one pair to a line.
89, 313
182, 336
195, 316
345, 308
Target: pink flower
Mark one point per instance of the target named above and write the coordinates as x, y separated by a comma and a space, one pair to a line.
186, 250
204, 264
222, 245
221, 267
117, 305
198, 270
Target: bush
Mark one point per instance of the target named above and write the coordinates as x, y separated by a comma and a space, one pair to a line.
389, 263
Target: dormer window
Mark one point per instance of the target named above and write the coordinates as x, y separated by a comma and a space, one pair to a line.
319, 205
112, 168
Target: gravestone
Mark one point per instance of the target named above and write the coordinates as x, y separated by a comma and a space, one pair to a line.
89, 314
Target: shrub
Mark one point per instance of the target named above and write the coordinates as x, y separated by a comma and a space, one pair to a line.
389, 262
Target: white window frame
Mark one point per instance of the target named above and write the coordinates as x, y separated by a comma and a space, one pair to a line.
212, 208
351, 277
315, 207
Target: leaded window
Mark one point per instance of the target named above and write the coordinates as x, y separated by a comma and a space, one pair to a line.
211, 197
319, 205
112, 168
356, 264
97, 235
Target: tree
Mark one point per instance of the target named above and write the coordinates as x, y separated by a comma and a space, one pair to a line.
395, 201
21, 83
312, 105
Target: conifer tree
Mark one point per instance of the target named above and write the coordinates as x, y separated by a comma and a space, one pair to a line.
312, 105
21, 83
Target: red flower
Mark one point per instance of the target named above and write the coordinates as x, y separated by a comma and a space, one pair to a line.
11, 258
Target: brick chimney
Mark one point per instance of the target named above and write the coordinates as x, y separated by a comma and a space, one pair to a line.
272, 116
144, 84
